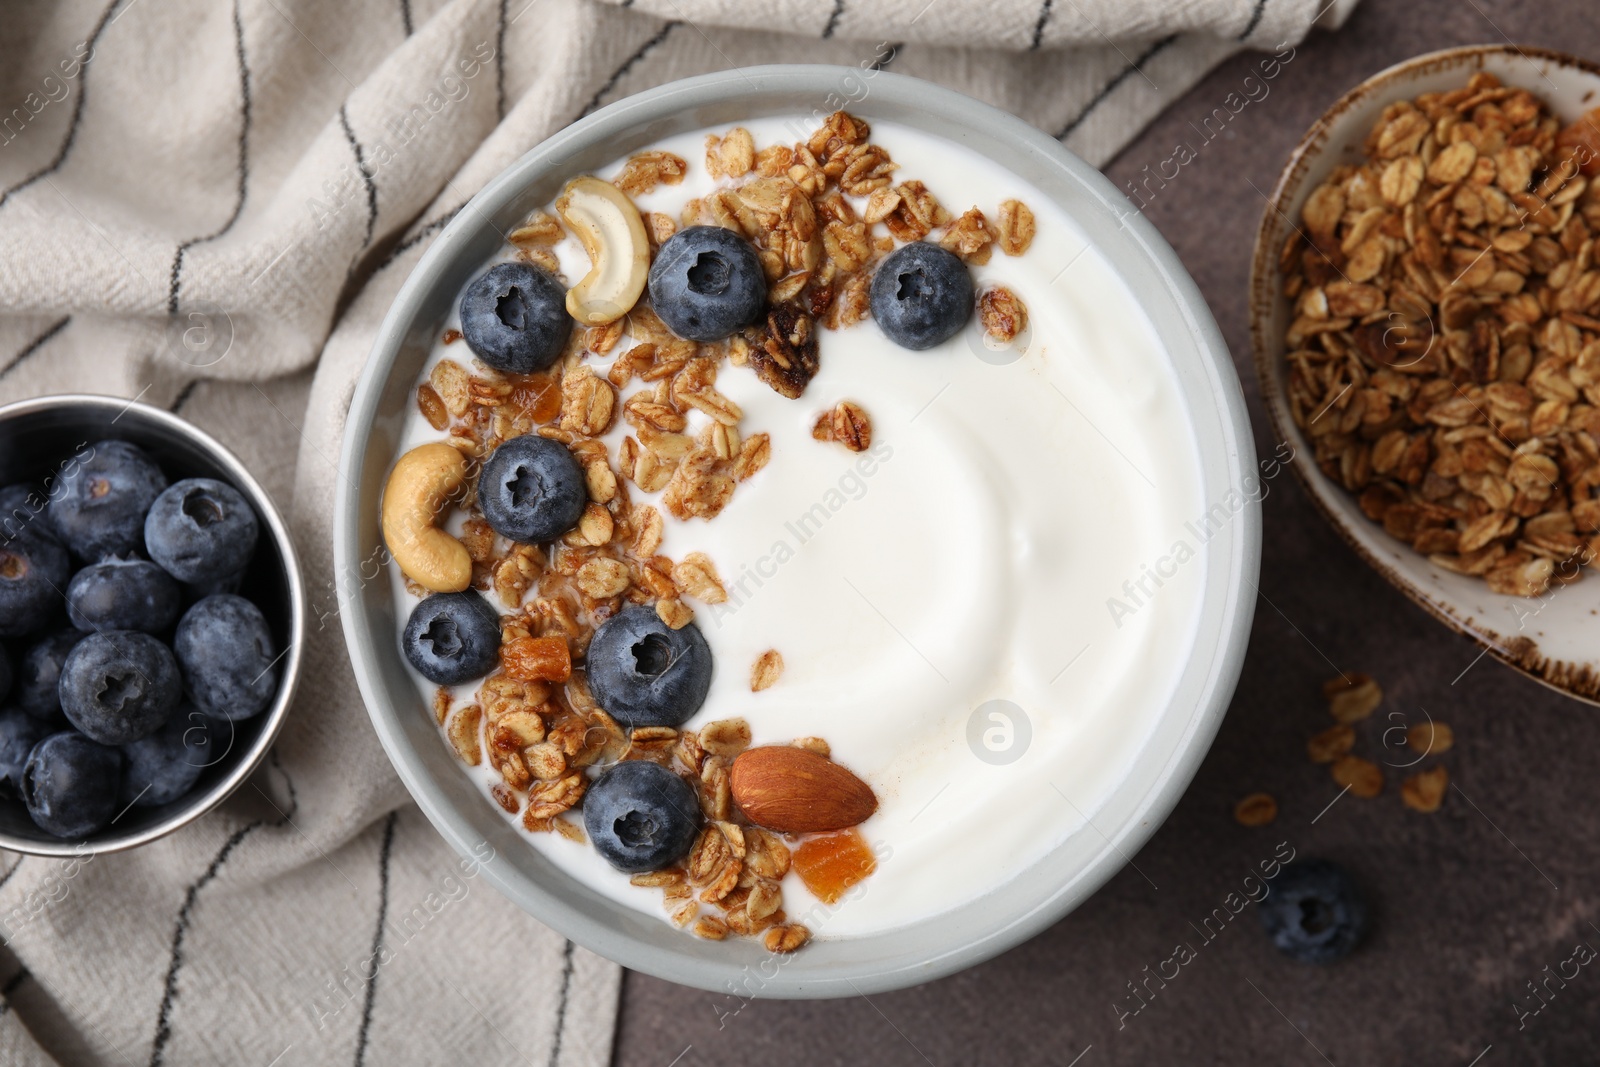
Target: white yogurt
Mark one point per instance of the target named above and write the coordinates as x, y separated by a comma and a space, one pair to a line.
968, 557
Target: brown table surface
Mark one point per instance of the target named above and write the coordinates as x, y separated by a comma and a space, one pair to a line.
1470, 903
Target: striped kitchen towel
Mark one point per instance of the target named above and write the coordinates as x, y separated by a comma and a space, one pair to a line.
267, 172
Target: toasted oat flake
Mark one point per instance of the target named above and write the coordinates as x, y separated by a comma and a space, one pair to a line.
674, 612
1352, 698
1017, 226
1331, 743
696, 576
767, 670
1431, 738
1257, 809
786, 938
1002, 314
601, 578
1424, 791
1361, 776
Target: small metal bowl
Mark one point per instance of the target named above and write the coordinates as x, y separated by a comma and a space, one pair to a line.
1549, 638
36, 436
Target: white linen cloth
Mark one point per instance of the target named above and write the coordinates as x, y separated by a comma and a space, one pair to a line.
263, 174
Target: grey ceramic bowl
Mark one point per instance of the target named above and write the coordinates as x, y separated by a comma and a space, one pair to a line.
1012, 912
35, 437
1550, 638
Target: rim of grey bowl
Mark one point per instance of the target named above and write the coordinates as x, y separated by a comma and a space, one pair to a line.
1267, 356
273, 719
1228, 602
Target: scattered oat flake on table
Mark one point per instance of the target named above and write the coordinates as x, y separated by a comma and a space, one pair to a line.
1257, 809
1431, 738
767, 670
1424, 791
1361, 776
1352, 697
1331, 743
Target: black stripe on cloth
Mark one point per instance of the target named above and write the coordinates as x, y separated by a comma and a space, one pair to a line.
11, 987
1038, 27
622, 71
417, 238
833, 19
405, 16
1110, 86
183, 396
29, 349
169, 992
176, 279
500, 64
1255, 19
7, 876
894, 54
561, 1005
77, 111
377, 937
366, 179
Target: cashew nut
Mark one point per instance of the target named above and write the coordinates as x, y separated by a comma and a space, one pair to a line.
418, 491
612, 232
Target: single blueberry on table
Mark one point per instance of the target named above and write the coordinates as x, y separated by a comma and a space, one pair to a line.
1314, 912
531, 490
34, 570
644, 673
162, 767
118, 686
452, 638
19, 732
98, 506
228, 657
201, 530
118, 594
39, 674
640, 816
921, 295
514, 318
70, 785
707, 283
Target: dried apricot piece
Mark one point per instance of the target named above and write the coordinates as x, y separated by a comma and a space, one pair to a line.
829, 864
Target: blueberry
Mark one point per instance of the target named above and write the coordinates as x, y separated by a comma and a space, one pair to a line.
118, 594
515, 319
201, 530
39, 674
34, 569
162, 767
228, 657
70, 785
1314, 912
640, 816
21, 509
119, 686
99, 505
19, 732
707, 283
644, 673
921, 295
452, 638
531, 490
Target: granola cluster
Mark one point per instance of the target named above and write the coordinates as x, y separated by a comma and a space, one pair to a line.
1444, 352
534, 720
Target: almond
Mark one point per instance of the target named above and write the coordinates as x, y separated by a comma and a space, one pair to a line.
794, 790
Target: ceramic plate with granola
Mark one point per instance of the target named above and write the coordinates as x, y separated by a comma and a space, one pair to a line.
1427, 319
797, 531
